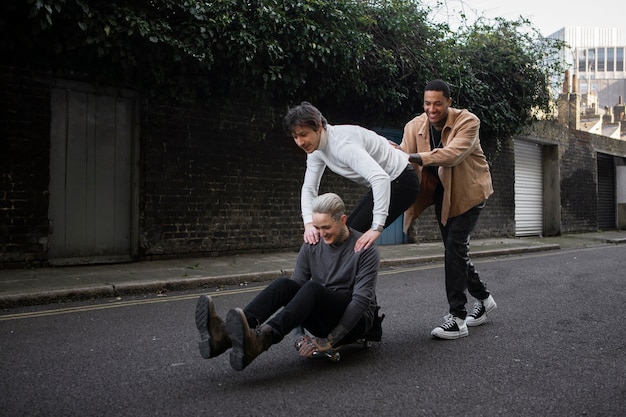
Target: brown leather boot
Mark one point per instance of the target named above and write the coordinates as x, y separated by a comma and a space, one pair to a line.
214, 338
247, 343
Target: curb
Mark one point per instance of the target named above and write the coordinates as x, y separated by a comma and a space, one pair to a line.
129, 288
180, 284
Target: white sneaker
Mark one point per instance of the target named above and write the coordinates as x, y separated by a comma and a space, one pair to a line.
452, 328
481, 309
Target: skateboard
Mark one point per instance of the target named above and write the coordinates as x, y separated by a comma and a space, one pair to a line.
334, 355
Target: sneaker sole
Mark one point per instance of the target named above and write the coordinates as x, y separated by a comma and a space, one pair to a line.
450, 335
236, 330
476, 322
203, 307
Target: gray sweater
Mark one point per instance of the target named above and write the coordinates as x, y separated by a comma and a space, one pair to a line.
340, 269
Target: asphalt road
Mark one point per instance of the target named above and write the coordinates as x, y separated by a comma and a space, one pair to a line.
555, 346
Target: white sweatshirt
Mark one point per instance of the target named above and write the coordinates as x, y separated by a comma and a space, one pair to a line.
357, 154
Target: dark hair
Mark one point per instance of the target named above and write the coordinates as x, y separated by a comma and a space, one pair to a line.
305, 114
438, 85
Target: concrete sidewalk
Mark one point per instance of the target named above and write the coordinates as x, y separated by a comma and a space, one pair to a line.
47, 285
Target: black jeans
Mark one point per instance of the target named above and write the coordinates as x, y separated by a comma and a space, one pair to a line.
459, 269
404, 191
312, 306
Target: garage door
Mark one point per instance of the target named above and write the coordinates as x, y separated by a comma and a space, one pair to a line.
606, 192
90, 177
528, 189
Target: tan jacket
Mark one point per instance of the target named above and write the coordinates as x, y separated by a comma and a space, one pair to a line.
463, 168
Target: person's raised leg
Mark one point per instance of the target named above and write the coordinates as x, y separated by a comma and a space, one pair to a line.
249, 336
214, 339
247, 343
361, 216
314, 307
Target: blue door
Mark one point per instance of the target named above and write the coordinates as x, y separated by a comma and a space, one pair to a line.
392, 235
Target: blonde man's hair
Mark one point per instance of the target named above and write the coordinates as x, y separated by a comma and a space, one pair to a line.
331, 204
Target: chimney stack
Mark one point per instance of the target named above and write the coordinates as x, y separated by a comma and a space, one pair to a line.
566, 83
569, 105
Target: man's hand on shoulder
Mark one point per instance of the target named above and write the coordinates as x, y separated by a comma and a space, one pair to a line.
366, 240
311, 235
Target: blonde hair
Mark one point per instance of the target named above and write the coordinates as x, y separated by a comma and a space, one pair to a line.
331, 204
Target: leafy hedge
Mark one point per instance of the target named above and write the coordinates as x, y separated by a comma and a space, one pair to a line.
358, 60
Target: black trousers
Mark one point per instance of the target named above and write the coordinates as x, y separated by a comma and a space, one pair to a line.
460, 272
312, 306
404, 191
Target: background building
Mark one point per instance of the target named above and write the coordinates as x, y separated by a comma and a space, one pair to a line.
596, 57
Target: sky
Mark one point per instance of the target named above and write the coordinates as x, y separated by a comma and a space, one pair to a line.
548, 16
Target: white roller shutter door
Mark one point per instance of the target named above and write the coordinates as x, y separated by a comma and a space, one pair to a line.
528, 189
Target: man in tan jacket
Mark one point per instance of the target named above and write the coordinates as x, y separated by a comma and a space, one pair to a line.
454, 174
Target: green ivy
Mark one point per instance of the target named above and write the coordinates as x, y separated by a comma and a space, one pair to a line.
501, 72
361, 61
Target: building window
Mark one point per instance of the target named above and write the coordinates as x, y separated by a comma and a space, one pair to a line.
619, 59
610, 59
601, 59
591, 61
582, 55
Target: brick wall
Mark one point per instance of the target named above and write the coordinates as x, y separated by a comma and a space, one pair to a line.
24, 173
214, 207
579, 207
221, 180
578, 172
